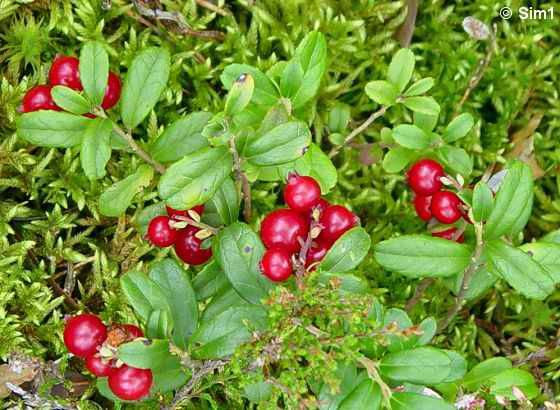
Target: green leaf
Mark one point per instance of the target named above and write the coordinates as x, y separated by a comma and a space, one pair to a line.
239, 250
96, 148
347, 252
399, 318
144, 354
177, 288
284, 143
513, 202
291, 79
519, 270
221, 335
482, 202
240, 94
52, 128
458, 366
182, 137
423, 105
145, 81
196, 178
94, 71
553, 237
69, 100
339, 117
429, 328
102, 386
209, 281
143, 294
401, 69
458, 128
423, 365
425, 121
382, 92
226, 299
258, 392
115, 199
397, 159
317, 164
502, 384
159, 324
223, 207
547, 254
367, 395
420, 87
410, 136
409, 401
456, 158
348, 283
168, 378
481, 281
422, 256
483, 372
265, 92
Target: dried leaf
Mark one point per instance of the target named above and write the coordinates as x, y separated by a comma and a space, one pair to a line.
523, 145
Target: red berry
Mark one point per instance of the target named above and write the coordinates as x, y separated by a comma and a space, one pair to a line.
133, 331
98, 367
188, 247
336, 220
424, 177
446, 207
65, 71
276, 264
130, 383
160, 233
283, 228
448, 234
317, 252
301, 192
112, 92
320, 207
199, 209
422, 204
39, 98
83, 334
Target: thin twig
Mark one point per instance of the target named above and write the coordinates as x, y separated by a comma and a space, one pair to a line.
67, 298
418, 293
138, 149
380, 112
467, 276
242, 179
212, 7
200, 225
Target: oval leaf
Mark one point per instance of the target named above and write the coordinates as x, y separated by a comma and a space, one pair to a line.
401, 69
347, 252
114, 200
94, 71
423, 105
52, 128
458, 128
143, 294
382, 92
317, 164
411, 136
69, 100
423, 365
96, 148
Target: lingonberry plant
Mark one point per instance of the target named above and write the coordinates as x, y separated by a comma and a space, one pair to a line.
285, 301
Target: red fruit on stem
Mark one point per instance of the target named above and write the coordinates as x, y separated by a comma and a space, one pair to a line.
336, 220
276, 264
83, 334
283, 228
133, 331
422, 204
317, 252
160, 233
199, 209
424, 177
112, 92
448, 234
98, 367
301, 193
130, 383
188, 247
446, 207
39, 98
65, 70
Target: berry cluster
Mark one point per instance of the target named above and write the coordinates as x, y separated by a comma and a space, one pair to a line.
87, 337
163, 232
65, 71
308, 216
430, 201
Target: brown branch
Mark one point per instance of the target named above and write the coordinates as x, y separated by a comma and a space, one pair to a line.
404, 35
212, 7
418, 293
358, 130
243, 180
178, 19
160, 168
467, 276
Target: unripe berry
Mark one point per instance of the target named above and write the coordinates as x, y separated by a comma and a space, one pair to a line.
336, 220
446, 207
39, 98
284, 228
301, 192
160, 233
65, 71
130, 383
276, 264
422, 204
187, 247
424, 177
83, 334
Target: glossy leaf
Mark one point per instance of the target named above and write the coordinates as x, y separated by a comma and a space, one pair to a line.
502, 384
70, 100
416, 401
482, 202
423, 365
397, 158
457, 159
240, 94
382, 92
423, 105
117, 198
96, 148
52, 128
547, 254
347, 252
144, 354
458, 128
265, 92
209, 281
94, 71
484, 371
159, 324
401, 69
420, 87
223, 207
410, 136
318, 165
143, 294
